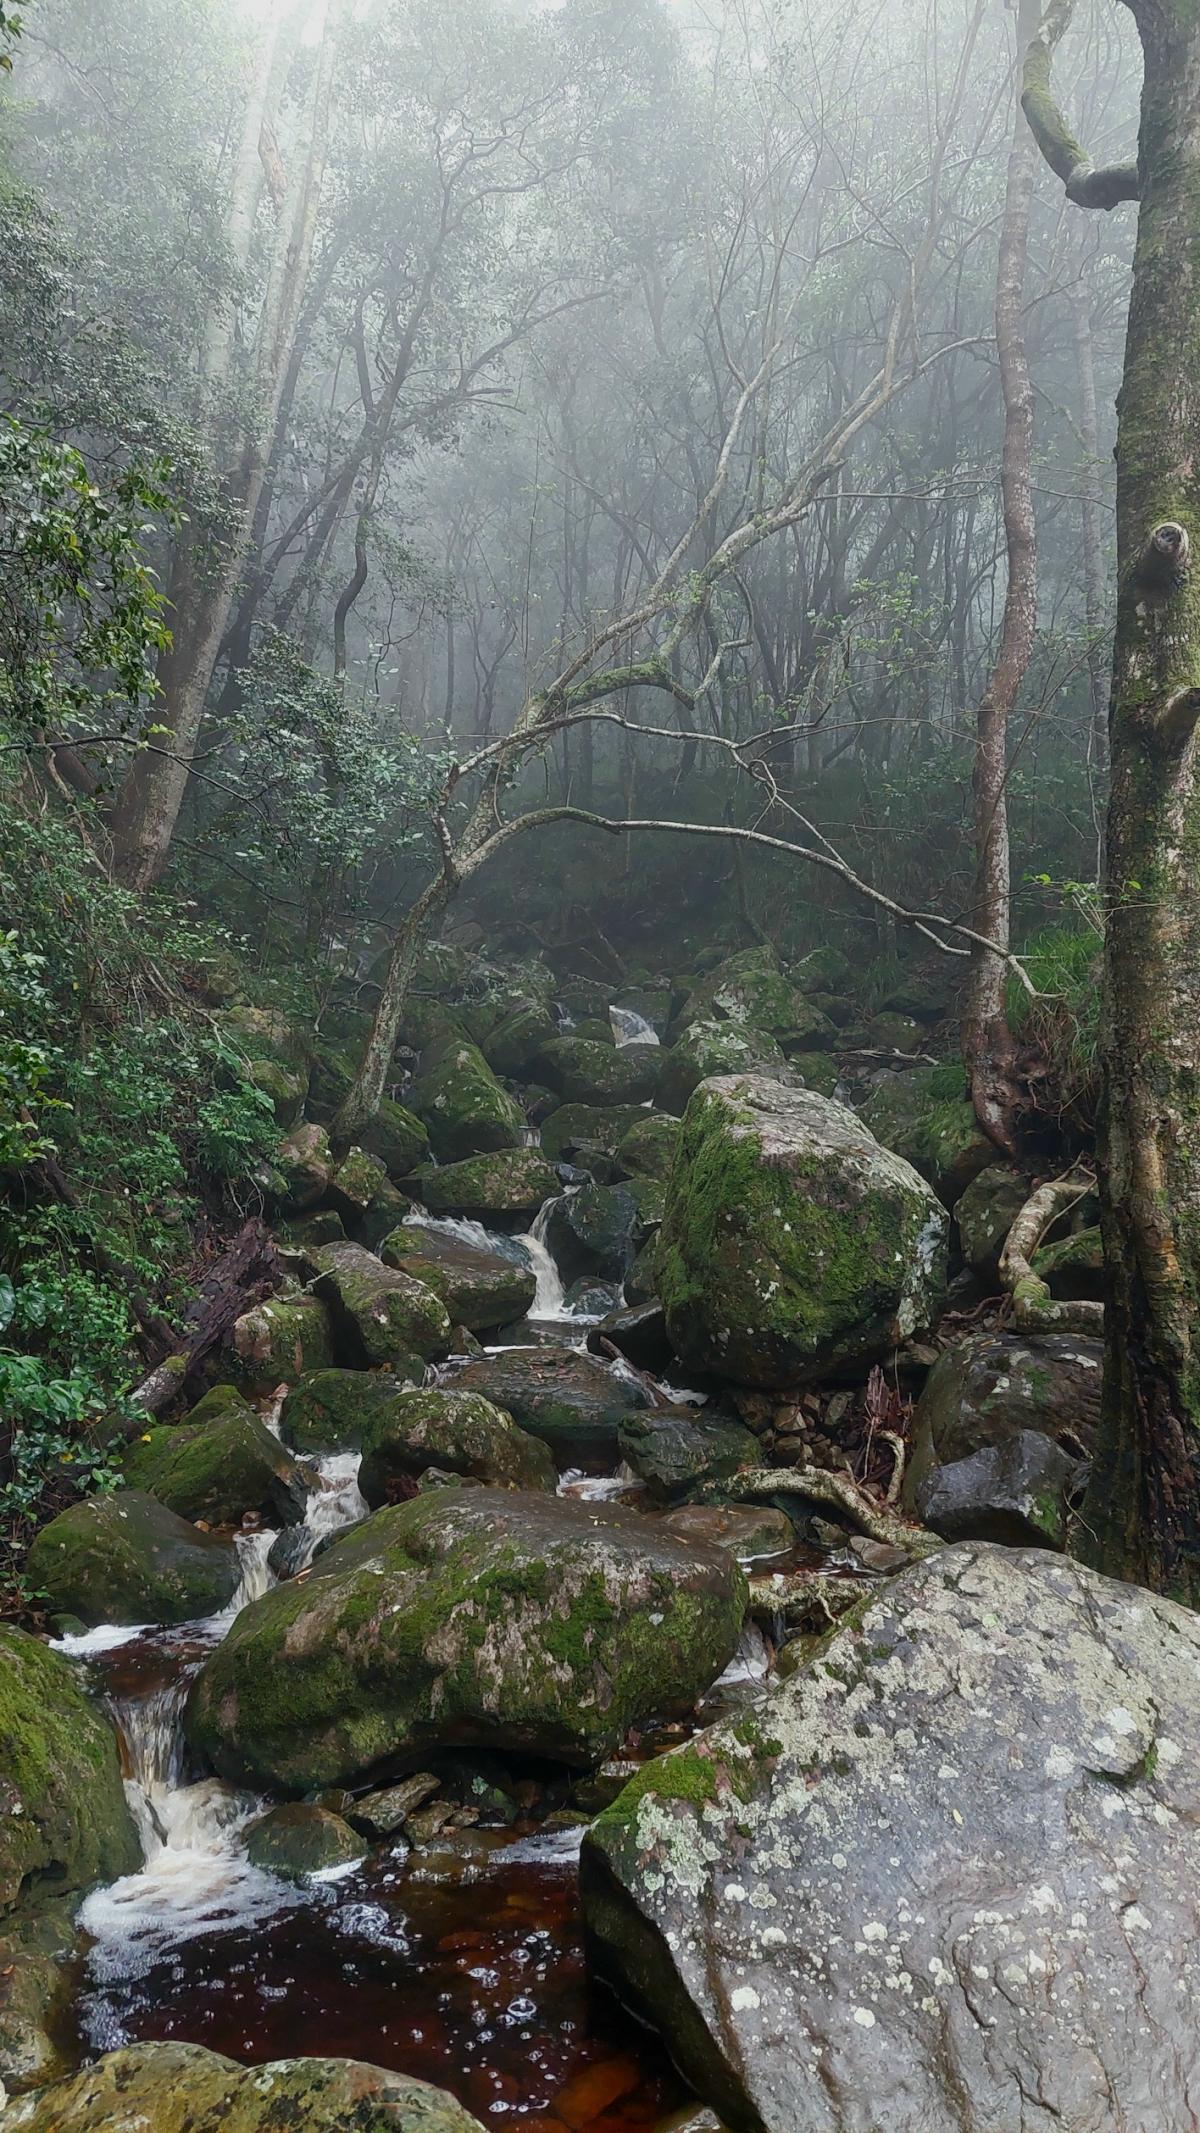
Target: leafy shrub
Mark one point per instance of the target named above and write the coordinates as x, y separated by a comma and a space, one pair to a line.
1060, 1029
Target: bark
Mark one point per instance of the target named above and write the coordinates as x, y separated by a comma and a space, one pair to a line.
987, 1043
1142, 1513
249, 1270
203, 584
1095, 600
1034, 1309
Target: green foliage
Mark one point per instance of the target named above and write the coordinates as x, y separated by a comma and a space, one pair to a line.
1061, 1027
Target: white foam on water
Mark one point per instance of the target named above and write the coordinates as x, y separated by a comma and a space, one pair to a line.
550, 1293
108, 1637
751, 1661
631, 1028
337, 1501
596, 1488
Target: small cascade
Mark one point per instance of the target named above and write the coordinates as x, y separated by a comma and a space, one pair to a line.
631, 1028
548, 1298
597, 1488
257, 1577
337, 1501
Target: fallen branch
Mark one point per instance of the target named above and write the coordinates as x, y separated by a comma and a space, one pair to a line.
247, 1271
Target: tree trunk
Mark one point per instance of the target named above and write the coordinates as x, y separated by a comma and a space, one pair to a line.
1141, 1519
1095, 602
203, 585
987, 1044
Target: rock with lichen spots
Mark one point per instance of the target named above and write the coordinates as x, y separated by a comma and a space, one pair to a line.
942, 1879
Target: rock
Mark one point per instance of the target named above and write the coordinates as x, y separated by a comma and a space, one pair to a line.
750, 989
381, 1314
792, 1243
457, 1432
510, 1185
467, 1618
823, 969
585, 1072
638, 1331
641, 1282
282, 1338
325, 1226
649, 1148
328, 1411
181, 2088
386, 1210
65, 1823
591, 1231
649, 1196
654, 1003
941, 1879
706, 1049
1000, 1435
814, 1070
926, 1116
303, 1165
285, 1087
382, 1813
397, 1138
751, 1532
481, 1289
575, 1404
985, 1214
459, 1100
218, 1470
589, 1297
514, 1046
892, 1032
127, 1558
676, 1449
1017, 1493
1074, 1267
574, 1131
300, 1839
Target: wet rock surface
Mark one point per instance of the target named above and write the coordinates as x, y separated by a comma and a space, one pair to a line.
943, 1878
127, 1558
574, 1403
455, 1432
481, 1289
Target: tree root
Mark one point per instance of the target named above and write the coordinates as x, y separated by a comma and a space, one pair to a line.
836, 1492
1034, 1309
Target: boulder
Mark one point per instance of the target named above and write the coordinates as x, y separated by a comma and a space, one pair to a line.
943, 1878
181, 2088
592, 1231
675, 1450
515, 1044
792, 1243
218, 1470
480, 1288
707, 1049
754, 1533
381, 1314
585, 1072
460, 1102
507, 1187
636, 1331
891, 1031
574, 1131
985, 1214
574, 1403
284, 1087
649, 1148
127, 1558
302, 1166
282, 1338
1074, 1267
456, 1432
823, 969
356, 1182
751, 989
654, 1004
467, 1618
329, 1410
814, 1070
1000, 1435
927, 1117
384, 1212
300, 1839
396, 1137
64, 1820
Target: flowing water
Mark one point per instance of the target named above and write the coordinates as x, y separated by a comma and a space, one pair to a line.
631, 1028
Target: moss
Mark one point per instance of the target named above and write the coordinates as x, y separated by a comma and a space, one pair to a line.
128, 1558
462, 1105
512, 1181
65, 1823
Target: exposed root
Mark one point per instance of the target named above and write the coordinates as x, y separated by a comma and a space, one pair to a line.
1034, 1309
836, 1492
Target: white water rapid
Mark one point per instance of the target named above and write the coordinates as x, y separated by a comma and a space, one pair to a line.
631, 1028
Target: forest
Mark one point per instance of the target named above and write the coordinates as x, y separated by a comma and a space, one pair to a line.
599, 1066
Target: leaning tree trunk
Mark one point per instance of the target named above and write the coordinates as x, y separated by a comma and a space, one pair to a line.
1141, 1518
987, 1042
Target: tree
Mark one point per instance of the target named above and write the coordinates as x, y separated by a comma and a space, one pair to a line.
1141, 1518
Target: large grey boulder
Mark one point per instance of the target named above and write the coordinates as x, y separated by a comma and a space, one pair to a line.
574, 1403
792, 1244
946, 1879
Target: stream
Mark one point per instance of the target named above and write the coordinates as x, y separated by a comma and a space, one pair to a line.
460, 1961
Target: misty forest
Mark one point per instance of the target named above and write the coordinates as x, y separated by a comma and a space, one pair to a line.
599, 1066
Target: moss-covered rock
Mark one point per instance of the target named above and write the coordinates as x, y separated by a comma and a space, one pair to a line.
386, 1210
181, 2088
892, 1032
676, 1450
299, 1839
823, 969
586, 1072
574, 1403
926, 1116
641, 1282
481, 1289
513, 1045
456, 1432
991, 1387
64, 1819
752, 990
382, 1313
792, 1243
397, 1137
814, 1070
574, 1131
330, 1410
592, 1231
285, 1086
467, 1618
354, 1184
460, 1102
1074, 1267
985, 1214
752, 1532
303, 1165
128, 1558
650, 1146
282, 1338
707, 1049
511, 1184
218, 1470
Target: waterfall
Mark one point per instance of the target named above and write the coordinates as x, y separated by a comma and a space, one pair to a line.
631, 1028
337, 1501
550, 1291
